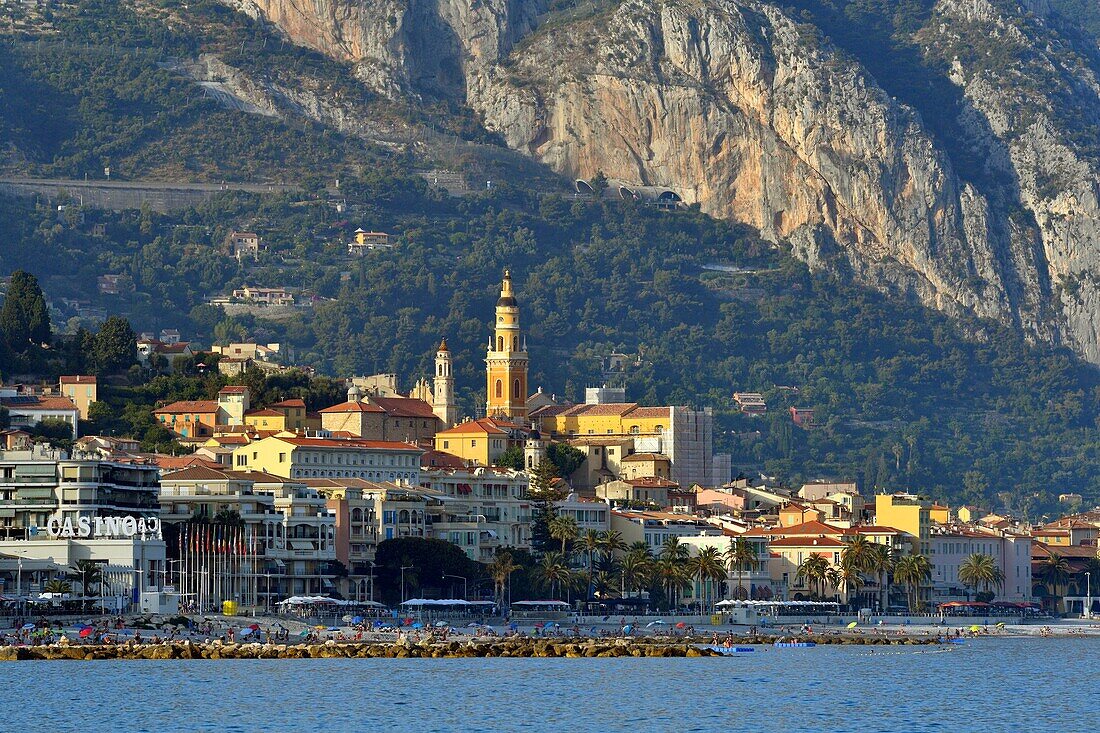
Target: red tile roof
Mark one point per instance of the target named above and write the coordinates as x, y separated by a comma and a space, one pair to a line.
343, 444
78, 379
263, 413
652, 482
24, 402
482, 426
233, 389
645, 457
294, 402
806, 541
190, 406
405, 407
352, 407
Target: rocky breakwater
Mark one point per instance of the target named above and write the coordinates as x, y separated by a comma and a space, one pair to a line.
546, 648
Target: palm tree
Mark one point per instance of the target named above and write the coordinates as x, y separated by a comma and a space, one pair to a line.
856, 559
881, 563
672, 567
1055, 573
912, 571
553, 572
709, 567
58, 586
500, 569
90, 575
636, 569
741, 554
814, 569
563, 528
849, 577
979, 570
612, 541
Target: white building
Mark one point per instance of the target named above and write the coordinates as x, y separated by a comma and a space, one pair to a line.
950, 546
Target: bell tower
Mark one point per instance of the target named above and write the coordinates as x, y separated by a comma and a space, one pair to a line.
443, 388
506, 360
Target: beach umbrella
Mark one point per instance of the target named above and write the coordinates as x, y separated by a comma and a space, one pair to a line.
28, 627
1001, 625
975, 628
418, 625
245, 632
471, 626
255, 627
378, 623
440, 624
627, 629
357, 619
303, 632
320, 627
658, 622
853, 625
592, 630
333, 628
681, 625
85, 632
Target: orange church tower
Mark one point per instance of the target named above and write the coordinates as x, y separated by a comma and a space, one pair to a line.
506, 360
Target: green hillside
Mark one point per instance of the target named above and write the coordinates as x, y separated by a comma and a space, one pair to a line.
906, 398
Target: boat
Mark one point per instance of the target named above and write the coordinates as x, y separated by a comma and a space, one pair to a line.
799, 644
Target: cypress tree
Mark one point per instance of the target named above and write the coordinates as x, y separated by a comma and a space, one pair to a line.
24, 318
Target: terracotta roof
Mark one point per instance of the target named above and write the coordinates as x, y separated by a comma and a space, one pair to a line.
405, 407
174, 463
549, 410
293, 402
263, 413
352, 407
644, 412
349, 443
806, 541
78, 379
440, 459
645, 457
592, 440
198, 473
609, 408
1043, 550
872, 529
652, 481
482, 426
24, 402
233, 389
174, 348
201, 406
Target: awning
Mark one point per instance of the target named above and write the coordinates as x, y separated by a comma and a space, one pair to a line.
301, 545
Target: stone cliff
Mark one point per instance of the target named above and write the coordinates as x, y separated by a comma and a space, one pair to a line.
749, 113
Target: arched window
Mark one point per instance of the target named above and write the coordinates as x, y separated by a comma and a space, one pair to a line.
660, 429
500, 343
500, 389
439, 370
634, 430
515, 389
403, 517
515, 343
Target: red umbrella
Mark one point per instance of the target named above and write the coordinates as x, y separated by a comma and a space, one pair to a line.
681, 625
85, 632
255, 627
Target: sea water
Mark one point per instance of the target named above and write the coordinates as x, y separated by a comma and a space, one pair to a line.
988, 685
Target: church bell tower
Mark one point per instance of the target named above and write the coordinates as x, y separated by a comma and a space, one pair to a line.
443, 388
506, 360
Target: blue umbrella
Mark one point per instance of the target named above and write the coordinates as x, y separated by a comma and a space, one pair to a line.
418, 625
357, 619
627, 629
378, 623
28, 627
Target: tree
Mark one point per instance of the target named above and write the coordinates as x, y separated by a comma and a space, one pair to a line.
672, 568
430, 560
980, 571
90, 575
115, 346
710, 568
1055, 574
500, 570
563, 529
58, 586
880, 561
855, 559
912, 571
566, 458
814, 569
553, 572
543, 494
741, 555
511, 458
24, 318
636, 571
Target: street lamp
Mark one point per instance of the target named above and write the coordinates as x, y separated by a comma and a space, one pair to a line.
19, 578
403, 569
371, 580
465, 595
1088, 594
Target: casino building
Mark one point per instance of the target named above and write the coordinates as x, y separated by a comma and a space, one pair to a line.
58, 509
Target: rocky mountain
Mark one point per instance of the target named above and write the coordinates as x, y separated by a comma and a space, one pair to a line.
768, 115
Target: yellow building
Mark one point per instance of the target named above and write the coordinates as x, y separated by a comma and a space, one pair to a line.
616, 418
294, 413
82, 390
506, 360
939, 513
265, 420
302, 458
481, 441
911, 514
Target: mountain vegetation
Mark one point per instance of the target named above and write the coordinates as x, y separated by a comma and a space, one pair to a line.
962, 409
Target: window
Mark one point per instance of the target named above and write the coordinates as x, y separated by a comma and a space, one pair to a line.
473, 443
500, 343
446, 444
515, 389
515, 343
499, 389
